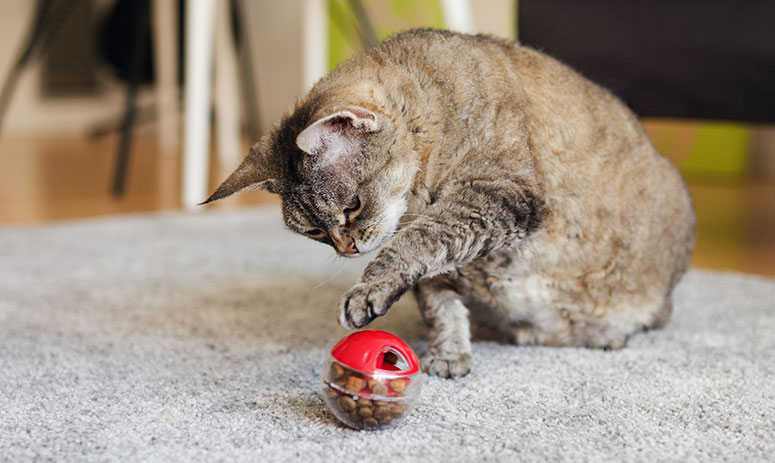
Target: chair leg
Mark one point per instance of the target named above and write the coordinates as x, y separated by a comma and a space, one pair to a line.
314, 42
200, 23
139, 45
458, 15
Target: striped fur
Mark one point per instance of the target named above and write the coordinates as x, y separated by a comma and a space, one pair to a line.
530, 199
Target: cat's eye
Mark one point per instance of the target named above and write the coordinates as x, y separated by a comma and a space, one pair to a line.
353, 209
315, 233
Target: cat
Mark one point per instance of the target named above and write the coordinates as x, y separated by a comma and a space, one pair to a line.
496, 182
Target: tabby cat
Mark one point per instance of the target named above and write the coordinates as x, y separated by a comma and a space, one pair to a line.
495, 181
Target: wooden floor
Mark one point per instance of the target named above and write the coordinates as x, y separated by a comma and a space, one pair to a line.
64, 178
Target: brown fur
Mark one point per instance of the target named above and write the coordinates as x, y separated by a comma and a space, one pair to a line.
532, 197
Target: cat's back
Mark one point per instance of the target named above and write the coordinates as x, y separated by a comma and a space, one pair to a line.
463, 73
461, 63
504, 92
484, 82
603, 181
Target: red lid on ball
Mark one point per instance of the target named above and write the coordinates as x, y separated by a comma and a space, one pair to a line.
372, 351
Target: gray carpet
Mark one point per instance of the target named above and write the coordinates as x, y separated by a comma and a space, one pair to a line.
199, 337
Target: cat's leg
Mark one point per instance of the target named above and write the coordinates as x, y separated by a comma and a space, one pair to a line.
496, 213
449, 343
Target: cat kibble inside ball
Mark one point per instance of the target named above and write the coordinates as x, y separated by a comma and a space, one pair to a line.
496, 183
370, 380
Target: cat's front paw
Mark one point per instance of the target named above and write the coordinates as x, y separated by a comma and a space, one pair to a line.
447, 366
364, 302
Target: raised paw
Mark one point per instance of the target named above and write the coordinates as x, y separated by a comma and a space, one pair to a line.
364, 302
451, 366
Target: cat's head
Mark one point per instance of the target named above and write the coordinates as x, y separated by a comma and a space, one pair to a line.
342, 173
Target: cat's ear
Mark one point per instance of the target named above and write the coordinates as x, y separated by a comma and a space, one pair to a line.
254, 172
339, 134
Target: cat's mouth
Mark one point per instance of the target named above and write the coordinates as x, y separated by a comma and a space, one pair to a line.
350, 256
350, 251
384, 228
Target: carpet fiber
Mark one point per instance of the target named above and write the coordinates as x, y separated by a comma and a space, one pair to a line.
181, 337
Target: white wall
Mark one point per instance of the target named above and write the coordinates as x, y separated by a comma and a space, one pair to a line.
494, 17
275, 39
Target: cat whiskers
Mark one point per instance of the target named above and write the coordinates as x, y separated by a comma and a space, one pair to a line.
407, 222
333, 259
346, 264
374, 220
409, 214
432, 219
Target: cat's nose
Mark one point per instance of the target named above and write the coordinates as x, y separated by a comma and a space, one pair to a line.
351, 249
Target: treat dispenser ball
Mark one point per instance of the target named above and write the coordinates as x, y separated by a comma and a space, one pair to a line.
370, 379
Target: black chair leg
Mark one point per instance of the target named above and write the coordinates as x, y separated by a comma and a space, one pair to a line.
137, 58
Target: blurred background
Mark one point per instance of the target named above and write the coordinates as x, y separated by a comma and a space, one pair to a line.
123, 106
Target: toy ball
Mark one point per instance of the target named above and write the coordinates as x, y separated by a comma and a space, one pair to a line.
370, 380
